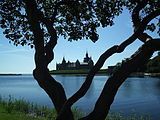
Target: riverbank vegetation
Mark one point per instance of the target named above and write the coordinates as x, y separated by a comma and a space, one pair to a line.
77, 72
39, 24
153, 66
13, 109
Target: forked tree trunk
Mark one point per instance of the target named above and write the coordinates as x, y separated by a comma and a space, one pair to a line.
54, 90
112, 85
42, 58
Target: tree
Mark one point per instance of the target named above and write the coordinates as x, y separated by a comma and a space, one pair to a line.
38, 23
153, 65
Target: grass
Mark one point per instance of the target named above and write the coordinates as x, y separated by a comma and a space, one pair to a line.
12, 109
15, 115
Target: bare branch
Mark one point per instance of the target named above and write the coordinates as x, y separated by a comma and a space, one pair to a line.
140, 28
41, 73
136, 11
52, 42
115, 49
137, 20
115, 81
144, 37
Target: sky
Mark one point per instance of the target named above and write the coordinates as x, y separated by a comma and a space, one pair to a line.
21, 59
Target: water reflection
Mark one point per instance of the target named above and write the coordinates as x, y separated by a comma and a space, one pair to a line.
141, 95
157, 90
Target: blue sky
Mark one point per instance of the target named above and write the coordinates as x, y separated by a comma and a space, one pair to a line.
21, 59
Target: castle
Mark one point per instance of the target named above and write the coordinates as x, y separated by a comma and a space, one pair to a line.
86, 64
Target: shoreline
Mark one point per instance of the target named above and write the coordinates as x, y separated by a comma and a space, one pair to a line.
101, 72
10, 74
77, 72
84, 73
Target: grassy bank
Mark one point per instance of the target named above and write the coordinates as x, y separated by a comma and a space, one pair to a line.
12, 109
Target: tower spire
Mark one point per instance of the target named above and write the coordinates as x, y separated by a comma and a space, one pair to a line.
63, 61
87, 54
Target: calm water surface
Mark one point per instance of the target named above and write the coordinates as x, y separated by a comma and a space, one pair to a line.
136, 95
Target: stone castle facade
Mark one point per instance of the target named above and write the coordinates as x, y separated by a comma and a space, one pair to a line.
86, 64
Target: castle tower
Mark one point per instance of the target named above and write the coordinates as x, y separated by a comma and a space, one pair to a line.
63, 61
86, 64
77, 64
87, 55
86, 59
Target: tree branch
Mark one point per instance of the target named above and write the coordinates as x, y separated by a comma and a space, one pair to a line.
136, 11
112, 85
31, 10
115, 49
52, 42
49, 55
137, 21
140, 28
144, 37
41, 73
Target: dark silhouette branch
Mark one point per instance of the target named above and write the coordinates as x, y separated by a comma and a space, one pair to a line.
115, 49
48, 48
112, 85
41, 73
144, 37
31, 10
136, 19
82, 91
52, 42
24, 32
86, 85
49, 55
141, 28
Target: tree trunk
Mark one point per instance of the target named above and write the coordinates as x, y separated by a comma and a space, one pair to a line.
43, 56
112, 85
54, 90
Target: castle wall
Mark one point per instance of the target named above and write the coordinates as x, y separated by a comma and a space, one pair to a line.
87, 64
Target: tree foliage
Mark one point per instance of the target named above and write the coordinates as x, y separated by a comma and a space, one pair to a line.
153, 65
74, 20
39, 23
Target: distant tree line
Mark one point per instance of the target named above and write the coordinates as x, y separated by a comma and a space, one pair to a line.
152, 66
40, 23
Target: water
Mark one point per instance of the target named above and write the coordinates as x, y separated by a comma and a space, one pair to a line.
136, 95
